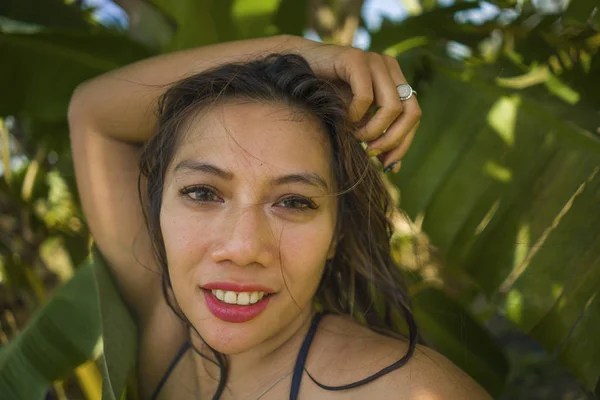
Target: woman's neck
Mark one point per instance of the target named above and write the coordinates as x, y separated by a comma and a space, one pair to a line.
260, 365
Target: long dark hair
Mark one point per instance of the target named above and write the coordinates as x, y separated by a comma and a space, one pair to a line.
362, 280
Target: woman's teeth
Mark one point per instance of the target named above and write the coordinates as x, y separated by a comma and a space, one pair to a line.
239, 298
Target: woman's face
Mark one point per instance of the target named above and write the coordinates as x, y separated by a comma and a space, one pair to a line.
248, 222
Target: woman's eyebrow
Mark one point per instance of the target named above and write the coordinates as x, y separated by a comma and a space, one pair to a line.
199, 166
306, 178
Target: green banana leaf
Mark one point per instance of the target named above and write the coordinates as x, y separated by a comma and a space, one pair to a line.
119, 335
194, 20
204, 22
508, 192
448, 327
45, 66
84, 319
55, 13
63, 334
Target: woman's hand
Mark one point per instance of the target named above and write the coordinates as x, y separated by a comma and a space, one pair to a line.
373, 79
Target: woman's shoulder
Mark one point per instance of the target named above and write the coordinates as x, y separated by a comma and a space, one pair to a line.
428, 375
162, 336
356, 352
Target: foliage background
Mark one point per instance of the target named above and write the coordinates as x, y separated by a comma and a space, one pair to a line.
500, 190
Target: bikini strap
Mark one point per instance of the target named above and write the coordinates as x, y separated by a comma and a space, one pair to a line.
170, 369
302, 355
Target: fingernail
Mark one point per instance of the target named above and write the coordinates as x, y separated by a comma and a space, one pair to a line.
390, 167
397, 167
373, 152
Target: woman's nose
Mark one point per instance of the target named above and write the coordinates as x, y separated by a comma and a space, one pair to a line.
247, 238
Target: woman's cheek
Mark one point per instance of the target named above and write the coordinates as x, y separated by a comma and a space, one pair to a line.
304, 253
185, 248
183, 237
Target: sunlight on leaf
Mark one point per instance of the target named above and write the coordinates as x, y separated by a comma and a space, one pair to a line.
5, 146
514, 305
406, 45
90, 380
497, 171
413, 7
243, 8
11, 26
56, 258
502, 118
557, 291
520, 268
36, 285
531, 78
522, 244
487, 218
561, 90
31, 174
543, 75
58, 211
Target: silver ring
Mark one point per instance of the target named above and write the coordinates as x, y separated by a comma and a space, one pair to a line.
405, 91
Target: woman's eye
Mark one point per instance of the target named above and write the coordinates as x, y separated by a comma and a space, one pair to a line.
298, 203
200, 193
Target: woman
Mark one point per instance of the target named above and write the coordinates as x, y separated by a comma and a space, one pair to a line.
256, 207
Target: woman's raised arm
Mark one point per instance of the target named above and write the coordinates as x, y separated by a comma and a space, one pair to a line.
121, 104
110, 117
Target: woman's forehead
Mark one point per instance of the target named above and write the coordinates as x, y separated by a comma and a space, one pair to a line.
247, 136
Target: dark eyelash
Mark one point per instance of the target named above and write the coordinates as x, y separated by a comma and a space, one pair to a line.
309, 203
212, 192
197, 188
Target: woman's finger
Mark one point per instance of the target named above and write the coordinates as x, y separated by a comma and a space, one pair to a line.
391, 159
386, 98
399, 129
394, 70
353, 69
411, 114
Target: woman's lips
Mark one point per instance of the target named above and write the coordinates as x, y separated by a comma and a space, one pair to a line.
233, 312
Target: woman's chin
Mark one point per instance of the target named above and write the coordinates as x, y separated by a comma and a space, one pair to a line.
231, 328
228, 339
